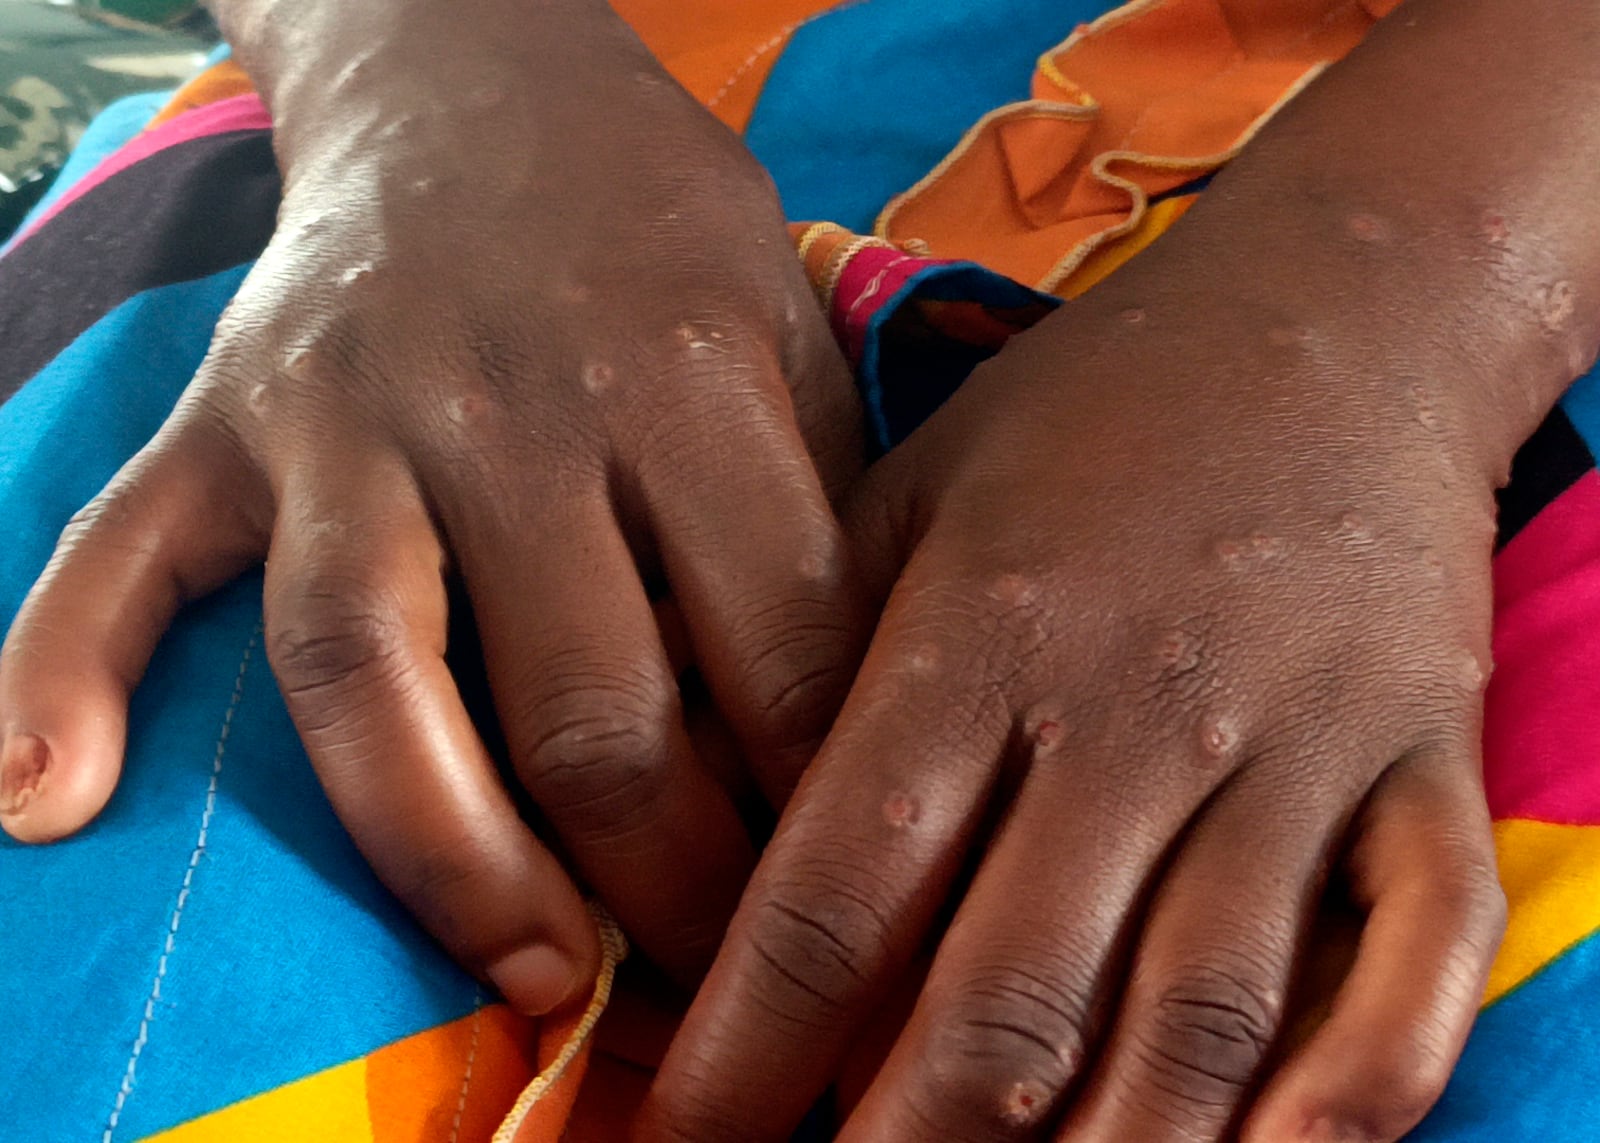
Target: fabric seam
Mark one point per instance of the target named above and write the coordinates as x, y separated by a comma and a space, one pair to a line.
143, 1036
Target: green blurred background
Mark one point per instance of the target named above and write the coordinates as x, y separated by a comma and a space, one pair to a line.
63, 61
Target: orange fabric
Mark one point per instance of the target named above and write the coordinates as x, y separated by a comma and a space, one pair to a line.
455, 1081
1136, 104
224, 81
725, 51
551, 1119
1106, 259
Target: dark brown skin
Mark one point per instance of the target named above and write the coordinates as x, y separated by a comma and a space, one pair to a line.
1190, 592
1188, 589
593, 355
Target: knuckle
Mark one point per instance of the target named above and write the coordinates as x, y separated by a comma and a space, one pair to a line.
596, 753
691, 1107
819, 941
1408, 1078
1009, 1045
1474, 895
135, 505
1491, 909
331, 631
797, 678
440, 886
1209, 1030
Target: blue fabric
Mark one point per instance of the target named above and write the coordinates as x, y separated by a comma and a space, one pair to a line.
1515, 1085
1582, 406
895, 405
867, 99
109, 130
288, 956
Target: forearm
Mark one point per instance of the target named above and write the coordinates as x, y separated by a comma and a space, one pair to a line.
1432, 201
331, 69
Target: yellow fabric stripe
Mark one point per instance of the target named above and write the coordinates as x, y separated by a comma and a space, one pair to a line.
327, 1107
1551, 875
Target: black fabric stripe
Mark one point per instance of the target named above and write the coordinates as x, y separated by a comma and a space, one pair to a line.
190, 211
1552, 461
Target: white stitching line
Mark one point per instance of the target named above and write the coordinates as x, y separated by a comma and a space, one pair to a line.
756, 56
472, 1055
183, 892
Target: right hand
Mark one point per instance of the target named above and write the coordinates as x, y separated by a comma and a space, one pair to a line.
545, 333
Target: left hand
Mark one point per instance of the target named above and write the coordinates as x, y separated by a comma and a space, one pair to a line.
1192, 605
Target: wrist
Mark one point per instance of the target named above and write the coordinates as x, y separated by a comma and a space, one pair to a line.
1431, 316
336, 76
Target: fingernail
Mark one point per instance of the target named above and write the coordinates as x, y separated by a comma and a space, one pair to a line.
535, 980
23, 761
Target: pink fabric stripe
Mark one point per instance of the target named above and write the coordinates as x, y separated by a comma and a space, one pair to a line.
1542, 729
870, 279
241, 113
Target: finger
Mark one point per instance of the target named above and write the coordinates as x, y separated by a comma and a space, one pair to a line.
1205, 1000
173, 525
1019, 988
593, 720
862, 861
1423, 864
356, 630
758, 565
827, 405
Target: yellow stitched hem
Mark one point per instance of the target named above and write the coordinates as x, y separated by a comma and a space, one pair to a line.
613, 950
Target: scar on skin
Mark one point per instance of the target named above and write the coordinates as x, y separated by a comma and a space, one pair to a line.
466, 407
486, 95
901, 810
1560, 302
1428, 415
1219, 735
1178, 649
1011, 589
815, 566
1354, 526
1133, 315
924, 659
352, 70
1495, 229
1047, 736
319, 530
1172, 647
598, 377
1472, 672
1365, 227
1258, 546
701, 340
355, 273
1024, 1103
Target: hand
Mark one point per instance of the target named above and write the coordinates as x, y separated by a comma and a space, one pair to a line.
1189, 607
594, 355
